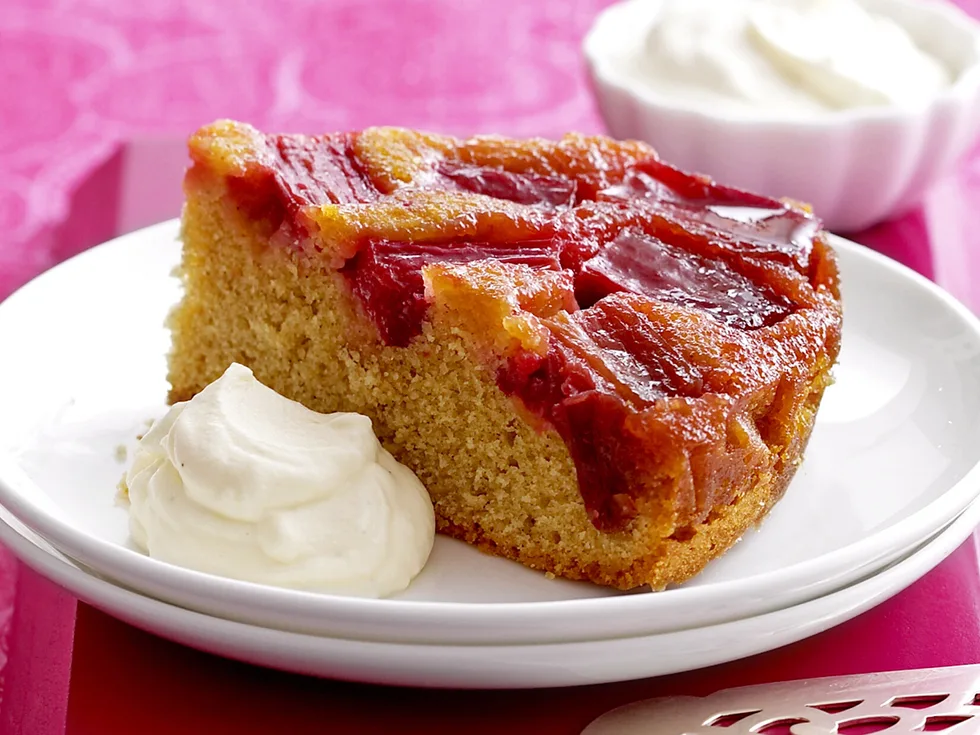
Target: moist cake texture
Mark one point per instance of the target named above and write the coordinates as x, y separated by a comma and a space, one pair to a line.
600, 366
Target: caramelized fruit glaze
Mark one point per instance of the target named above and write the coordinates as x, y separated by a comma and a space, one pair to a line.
600, 248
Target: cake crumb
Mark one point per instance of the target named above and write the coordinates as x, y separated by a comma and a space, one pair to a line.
122, 492
121, 453
549, 575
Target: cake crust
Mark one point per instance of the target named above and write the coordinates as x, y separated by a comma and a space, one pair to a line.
500, 474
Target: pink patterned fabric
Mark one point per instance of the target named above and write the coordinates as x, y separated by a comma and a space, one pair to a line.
96, 97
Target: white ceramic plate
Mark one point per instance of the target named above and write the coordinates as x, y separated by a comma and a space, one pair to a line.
486, 666
892, 460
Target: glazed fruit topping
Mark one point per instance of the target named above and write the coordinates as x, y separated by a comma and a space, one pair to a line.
300, 171
643, 264
692, 208
523, 188
321, 170
604, 364
387, 277
667, 268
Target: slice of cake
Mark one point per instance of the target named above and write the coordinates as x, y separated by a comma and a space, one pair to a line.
600, 366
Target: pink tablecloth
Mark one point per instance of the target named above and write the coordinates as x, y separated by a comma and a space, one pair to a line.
95, 98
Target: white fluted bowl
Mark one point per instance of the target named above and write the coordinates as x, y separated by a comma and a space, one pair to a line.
856, 167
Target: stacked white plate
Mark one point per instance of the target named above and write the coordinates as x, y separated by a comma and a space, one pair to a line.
887, 491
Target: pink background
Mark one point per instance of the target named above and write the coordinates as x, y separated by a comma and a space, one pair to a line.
96, 97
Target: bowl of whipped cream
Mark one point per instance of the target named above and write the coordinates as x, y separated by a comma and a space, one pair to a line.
854, 107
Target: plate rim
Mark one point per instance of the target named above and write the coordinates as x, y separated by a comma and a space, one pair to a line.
419, 619
934, 552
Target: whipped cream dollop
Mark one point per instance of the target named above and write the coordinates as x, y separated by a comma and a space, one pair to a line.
801, 57
243, 483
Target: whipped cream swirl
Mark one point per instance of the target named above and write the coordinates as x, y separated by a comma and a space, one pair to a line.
243, 483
